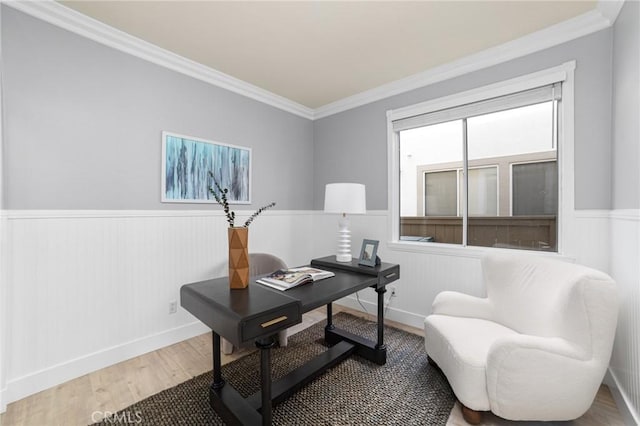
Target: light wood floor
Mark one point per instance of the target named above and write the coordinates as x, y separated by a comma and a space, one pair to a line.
87, 399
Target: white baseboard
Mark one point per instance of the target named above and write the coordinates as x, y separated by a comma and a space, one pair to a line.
394, 314
625, 407
24, 386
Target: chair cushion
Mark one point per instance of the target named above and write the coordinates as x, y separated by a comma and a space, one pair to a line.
460, 347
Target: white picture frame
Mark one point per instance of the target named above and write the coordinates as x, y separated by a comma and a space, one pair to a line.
187, 161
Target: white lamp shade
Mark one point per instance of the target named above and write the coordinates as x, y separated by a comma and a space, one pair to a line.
345, 198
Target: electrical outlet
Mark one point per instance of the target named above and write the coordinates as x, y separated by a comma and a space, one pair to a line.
391, 294
173, 307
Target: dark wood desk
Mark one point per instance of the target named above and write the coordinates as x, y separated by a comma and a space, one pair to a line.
257, 313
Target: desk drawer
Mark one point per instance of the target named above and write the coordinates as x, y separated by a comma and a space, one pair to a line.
271, 323
388, 276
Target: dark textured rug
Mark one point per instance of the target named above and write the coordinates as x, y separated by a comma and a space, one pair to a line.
405, 391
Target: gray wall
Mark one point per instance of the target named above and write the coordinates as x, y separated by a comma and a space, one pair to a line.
83, 123
352, 146
83, 126
626, 111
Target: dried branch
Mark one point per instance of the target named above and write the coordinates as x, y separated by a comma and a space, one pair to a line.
260, 210
221, 198
220, 195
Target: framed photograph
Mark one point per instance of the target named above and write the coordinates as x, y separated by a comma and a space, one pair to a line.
187, 161
368, 253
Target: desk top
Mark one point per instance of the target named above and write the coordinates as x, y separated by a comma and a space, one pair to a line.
327, 290
242, 315
385, 272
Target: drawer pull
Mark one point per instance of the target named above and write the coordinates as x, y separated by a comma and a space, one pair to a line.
273, 321
393, 274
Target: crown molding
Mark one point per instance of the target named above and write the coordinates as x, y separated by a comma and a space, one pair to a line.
55, 13
568, 30
610, 9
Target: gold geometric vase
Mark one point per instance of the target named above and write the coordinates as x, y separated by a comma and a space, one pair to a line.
238, 257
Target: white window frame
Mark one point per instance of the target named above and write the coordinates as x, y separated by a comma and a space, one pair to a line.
563, 73
486, 166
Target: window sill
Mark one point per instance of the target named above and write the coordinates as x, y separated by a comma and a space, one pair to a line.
455, 250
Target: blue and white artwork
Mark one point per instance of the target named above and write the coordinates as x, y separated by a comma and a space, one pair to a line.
187, 162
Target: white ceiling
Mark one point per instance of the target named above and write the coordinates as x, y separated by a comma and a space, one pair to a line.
318, 52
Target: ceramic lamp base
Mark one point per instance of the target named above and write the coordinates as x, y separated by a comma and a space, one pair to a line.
344, 241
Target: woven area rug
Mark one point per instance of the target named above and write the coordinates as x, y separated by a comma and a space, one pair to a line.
404, 391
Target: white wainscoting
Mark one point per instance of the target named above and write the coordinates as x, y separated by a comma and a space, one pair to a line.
90, 289
87, 289
625, 270
424, 274
4, 318
591, 239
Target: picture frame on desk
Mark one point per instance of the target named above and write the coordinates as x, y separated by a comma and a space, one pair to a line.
368, 253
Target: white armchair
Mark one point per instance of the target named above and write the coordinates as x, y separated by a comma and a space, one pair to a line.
536, 348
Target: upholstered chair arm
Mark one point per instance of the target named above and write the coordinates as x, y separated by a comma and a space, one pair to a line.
457, 304
542, 378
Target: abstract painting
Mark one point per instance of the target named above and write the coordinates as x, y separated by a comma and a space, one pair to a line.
187, 161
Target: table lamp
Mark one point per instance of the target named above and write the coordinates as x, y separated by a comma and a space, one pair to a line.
344, 198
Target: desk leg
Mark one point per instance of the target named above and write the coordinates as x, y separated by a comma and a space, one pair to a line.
265, 346
374, 351
380, 345
225, 400
329, 325
218, 382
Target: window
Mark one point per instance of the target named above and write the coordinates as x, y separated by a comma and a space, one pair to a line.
481, 168
443, 192
535, 188
440, 193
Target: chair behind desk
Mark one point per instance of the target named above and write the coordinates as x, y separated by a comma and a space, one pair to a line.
261, 263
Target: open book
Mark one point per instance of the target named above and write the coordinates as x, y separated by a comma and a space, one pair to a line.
284, 279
